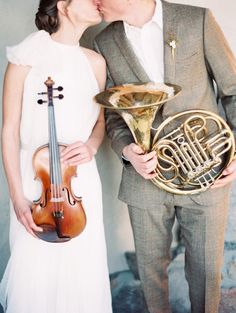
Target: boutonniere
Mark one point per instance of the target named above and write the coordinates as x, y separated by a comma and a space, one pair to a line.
172, 42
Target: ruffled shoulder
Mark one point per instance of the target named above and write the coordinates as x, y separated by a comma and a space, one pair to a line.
25, 53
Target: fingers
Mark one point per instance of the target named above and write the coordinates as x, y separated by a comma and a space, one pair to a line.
223, 181
229, 174
148, 176
146, 169
148, 165
231, 169
136, 149
76, 154
25, 224
72, 150
144, 164
73, 146
27, 221
149, 156
78, 159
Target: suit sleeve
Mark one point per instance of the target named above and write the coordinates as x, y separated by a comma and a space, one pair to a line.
116, 128
222, 63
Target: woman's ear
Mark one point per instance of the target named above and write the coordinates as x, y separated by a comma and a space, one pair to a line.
62, 7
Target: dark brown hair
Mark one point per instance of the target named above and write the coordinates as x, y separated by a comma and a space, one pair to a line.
47, 16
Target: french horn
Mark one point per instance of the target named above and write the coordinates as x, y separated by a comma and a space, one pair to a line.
193, 147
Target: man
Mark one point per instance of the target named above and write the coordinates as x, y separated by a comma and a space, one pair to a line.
173, 43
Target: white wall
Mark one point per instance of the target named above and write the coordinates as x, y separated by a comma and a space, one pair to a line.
16, 21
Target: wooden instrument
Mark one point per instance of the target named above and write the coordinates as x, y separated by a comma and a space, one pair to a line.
58, 211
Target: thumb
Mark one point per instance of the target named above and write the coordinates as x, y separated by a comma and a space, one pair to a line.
137, 149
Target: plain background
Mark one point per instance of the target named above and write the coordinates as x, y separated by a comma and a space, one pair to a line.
16, 22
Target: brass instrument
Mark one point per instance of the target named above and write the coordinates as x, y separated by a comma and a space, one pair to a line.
193, 147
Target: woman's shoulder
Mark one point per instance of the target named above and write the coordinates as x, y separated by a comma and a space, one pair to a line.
24, 53
98, 65
95, 58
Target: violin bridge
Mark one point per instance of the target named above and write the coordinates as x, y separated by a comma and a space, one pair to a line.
57, 199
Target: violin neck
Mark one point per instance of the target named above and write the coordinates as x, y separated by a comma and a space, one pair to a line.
54, 154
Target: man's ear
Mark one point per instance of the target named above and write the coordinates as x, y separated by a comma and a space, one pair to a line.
62, 7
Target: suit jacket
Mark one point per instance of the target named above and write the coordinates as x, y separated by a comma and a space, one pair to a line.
202, 59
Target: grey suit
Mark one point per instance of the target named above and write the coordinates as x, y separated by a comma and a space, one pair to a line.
202, 55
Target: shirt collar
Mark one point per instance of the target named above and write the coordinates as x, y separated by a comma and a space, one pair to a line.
158, 14
157, 18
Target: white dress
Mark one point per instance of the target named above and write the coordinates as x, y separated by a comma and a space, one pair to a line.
69, 277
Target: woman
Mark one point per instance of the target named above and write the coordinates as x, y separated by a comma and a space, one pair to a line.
42, 277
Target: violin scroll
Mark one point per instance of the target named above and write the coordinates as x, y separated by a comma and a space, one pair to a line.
49, 83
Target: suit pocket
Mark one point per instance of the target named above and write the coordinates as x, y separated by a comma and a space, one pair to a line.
139, 192
187, 56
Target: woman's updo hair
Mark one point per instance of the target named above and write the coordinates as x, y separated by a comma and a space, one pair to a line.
47, 16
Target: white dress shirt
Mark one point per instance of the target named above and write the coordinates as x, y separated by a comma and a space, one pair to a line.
147, 43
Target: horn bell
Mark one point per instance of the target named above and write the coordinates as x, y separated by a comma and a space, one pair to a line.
138, 104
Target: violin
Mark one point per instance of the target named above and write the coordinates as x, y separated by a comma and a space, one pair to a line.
58, 211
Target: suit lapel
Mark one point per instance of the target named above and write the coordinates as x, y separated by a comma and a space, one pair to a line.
128, 53
170, 32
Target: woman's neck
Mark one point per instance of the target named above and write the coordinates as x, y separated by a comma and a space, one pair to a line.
68, 34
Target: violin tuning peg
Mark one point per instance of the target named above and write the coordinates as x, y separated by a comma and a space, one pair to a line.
40, 101
59, 88
42, 93
59, 97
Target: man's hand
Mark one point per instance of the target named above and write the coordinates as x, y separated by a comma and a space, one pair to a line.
228, 175
144, 164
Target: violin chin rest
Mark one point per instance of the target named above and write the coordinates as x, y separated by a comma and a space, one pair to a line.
50, 234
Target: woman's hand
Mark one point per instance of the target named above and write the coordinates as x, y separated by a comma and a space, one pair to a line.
22, 209
144, 164
77, 153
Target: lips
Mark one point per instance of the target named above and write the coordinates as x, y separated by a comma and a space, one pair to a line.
99, 7
97, 3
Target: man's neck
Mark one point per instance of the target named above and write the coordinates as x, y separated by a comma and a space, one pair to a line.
141, 13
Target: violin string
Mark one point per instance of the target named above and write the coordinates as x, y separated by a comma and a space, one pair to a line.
57, 163
57, 160
54, 170
56, 156
51, 148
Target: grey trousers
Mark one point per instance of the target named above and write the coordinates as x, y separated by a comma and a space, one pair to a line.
202, 230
